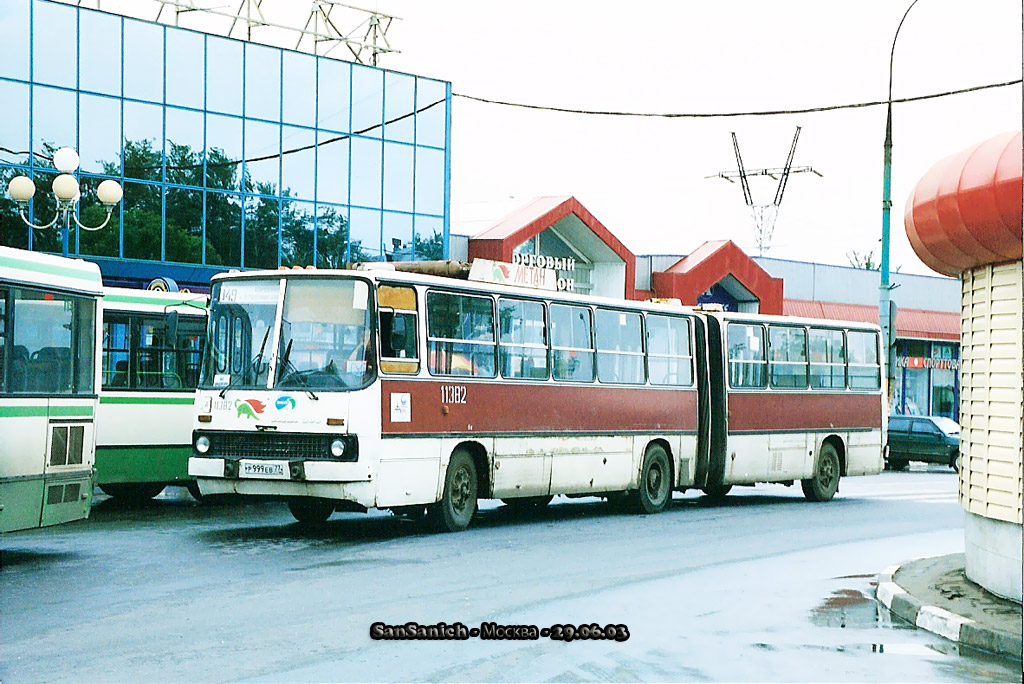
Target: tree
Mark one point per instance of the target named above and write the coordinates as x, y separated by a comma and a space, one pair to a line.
864, 260
430, 249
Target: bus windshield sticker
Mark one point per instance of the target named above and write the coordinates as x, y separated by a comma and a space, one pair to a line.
401, 408
221, 380
355, 367
360, 293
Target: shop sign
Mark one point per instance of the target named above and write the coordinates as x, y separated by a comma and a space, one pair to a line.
541, 261
487, 271
924, 362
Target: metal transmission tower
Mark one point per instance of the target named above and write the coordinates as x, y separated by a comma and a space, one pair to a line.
374, 29
764, 214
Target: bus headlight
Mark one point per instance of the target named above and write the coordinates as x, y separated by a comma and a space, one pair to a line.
202, 444
338, 448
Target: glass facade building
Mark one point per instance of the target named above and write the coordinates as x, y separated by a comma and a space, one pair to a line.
231, 154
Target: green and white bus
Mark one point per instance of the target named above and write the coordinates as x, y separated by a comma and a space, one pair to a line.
49, 374
152, 349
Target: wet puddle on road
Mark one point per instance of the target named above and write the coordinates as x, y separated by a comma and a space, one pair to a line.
855, 609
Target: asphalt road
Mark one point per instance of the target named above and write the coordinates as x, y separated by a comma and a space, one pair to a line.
763, 587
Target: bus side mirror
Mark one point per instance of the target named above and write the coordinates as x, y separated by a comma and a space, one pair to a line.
171, 331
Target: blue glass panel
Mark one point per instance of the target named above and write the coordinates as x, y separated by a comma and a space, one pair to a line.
53, 119
262, 157
143, 209
224, 75
334, 102
55, 44
184, 226
105, 242
14, 131
261, 228
300, 89
398, 245
331, 236
398, 177
399, 103
297, 233
223, 229
185, 68
100, 149
262, 82
429, 238
367, 101
366, 170
14, 27
143, 141
100, 37
365, 232
429, 181
332, 168
223, 151
430, 112
298, 168
143, 61
184, 147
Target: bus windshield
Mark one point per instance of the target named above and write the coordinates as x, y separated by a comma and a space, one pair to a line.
238, 347
325, 337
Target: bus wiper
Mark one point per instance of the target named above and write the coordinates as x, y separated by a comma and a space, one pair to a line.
254, 366
286, 364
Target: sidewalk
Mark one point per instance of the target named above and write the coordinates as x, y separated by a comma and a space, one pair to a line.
934, 594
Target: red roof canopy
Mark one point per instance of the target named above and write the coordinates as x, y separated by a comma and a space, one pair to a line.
967, 210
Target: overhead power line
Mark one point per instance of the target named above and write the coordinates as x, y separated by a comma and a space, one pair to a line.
720, 115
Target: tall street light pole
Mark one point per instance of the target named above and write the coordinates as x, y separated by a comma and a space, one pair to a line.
884, 304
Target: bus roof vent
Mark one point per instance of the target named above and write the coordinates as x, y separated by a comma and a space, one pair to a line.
710, 307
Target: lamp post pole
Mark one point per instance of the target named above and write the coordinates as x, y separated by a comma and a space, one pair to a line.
884, 288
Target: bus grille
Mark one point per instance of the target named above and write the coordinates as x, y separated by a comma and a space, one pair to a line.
278, 446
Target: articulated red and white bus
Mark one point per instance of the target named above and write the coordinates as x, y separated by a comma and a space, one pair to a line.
350, 390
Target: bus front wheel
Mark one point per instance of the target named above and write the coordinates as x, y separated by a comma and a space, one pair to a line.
311, 511
655, 482
455, 510
825, 483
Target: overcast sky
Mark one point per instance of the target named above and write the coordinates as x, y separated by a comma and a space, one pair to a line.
644, 178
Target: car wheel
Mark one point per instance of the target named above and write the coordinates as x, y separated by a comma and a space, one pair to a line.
954, 461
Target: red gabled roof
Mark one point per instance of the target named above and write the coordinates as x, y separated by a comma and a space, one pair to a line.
500, 240
910, 323
708, 265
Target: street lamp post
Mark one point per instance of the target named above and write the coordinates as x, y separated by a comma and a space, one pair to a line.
884, 288
67, 193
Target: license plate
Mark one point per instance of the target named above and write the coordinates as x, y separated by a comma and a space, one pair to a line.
267, 470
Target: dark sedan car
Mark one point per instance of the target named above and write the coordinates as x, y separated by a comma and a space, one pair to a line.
931, 439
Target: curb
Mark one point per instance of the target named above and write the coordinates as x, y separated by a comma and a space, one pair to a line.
942, 622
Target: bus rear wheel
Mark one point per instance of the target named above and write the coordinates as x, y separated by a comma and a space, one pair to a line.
825, 483
129, 492
655, 482
311, 511
455, 510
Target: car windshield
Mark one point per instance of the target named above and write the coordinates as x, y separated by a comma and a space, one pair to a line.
947, 425
326, 340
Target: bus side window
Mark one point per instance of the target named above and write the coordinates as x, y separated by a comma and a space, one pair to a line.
572, 345
669, 357
747, 356
3, 339
522, 339
398, 342
620, 352
864, 372
460, 334
788, 365
828, 359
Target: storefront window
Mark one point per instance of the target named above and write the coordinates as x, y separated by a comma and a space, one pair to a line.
915, 392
